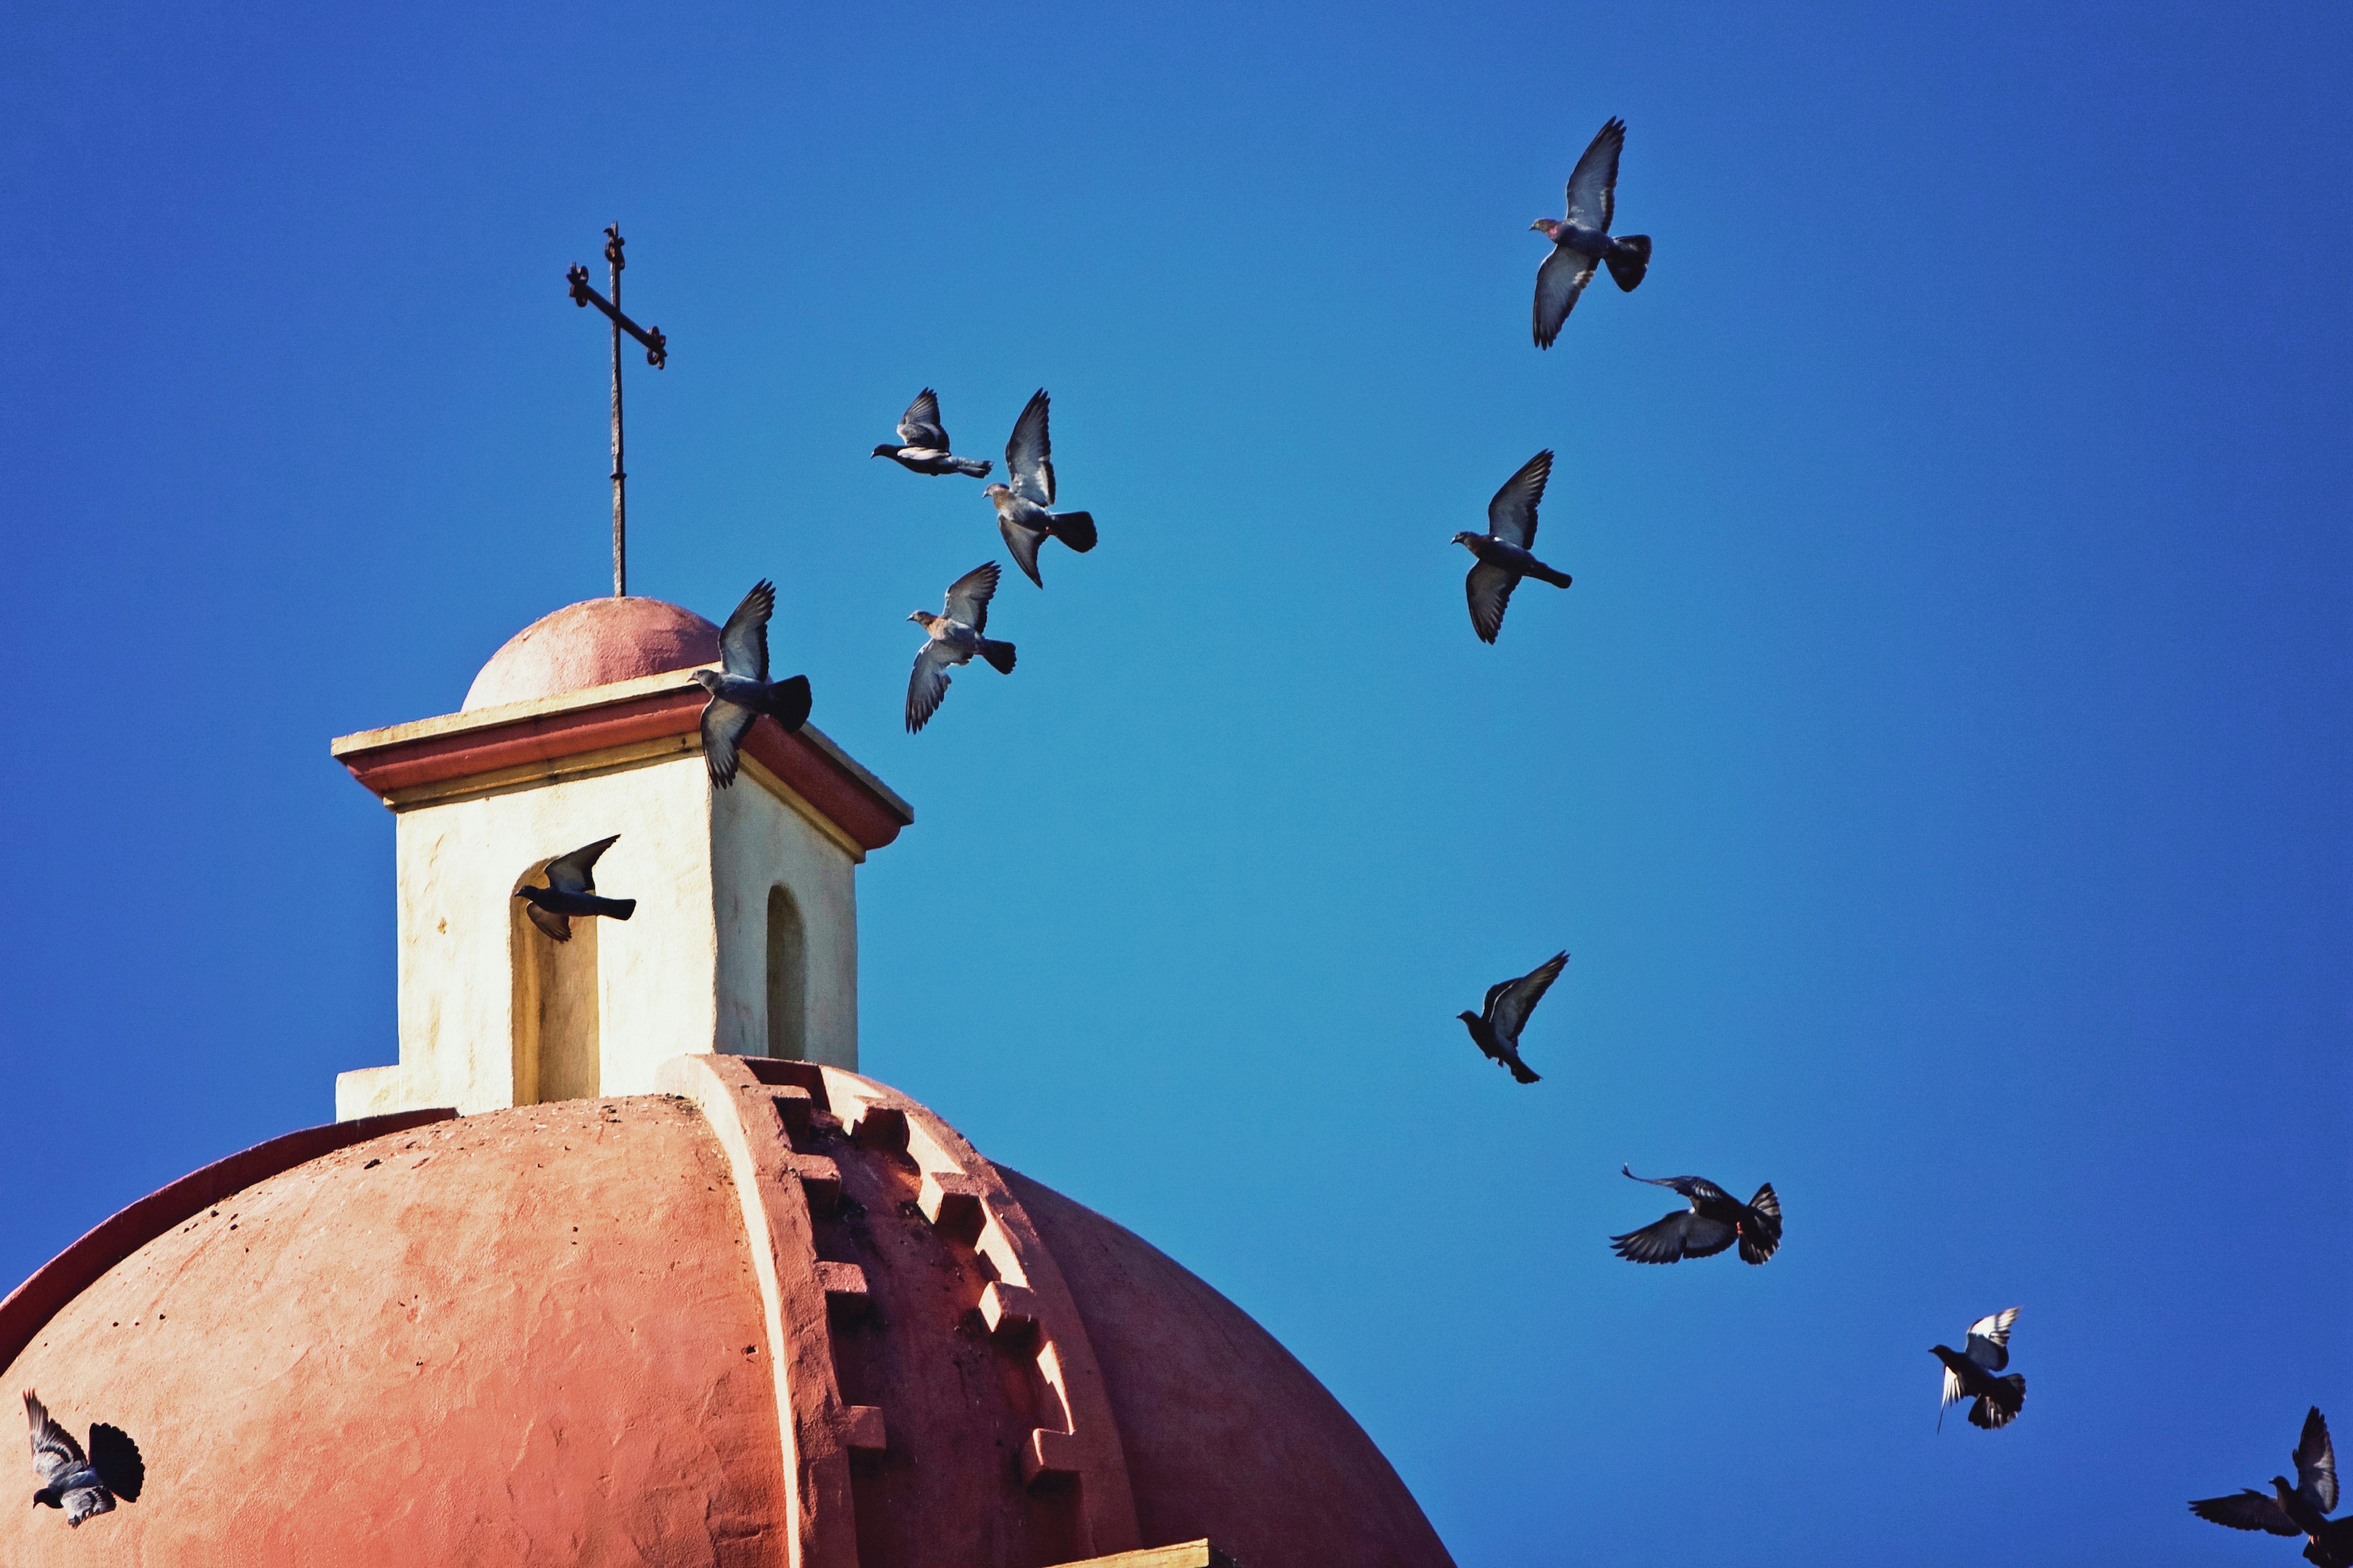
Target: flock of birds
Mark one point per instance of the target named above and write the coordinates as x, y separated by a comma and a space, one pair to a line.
1712, 1220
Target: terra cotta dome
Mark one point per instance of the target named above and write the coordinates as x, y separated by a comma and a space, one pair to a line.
593, 643
780, 1314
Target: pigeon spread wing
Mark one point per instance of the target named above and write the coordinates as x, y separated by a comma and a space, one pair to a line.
919, 426
1512, 515
1489, 591
1509, 1011
1679, 1236
1029, 453
2248, 1510
55, 1452
576, 872
1989, 1340
1593, 186
2315, 1464
557, 927
969, 595
1561, 278
724, 726
743, 640
927, 685
1023, 542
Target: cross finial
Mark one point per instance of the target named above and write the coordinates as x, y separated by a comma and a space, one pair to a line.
657, 355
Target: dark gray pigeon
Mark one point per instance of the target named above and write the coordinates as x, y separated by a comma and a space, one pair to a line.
572, 891
1021, 514
955, 639
1969, 1374
2299, 1510
1583, 242
924, 442
82, 1485
1503, 549
1714, 1221
740, 687
1496, 1027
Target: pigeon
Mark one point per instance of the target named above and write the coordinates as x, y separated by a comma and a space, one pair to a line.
740, 687
572, 891
1495, 1028
923, 446
1714, 1221
2299, 1510
1021, 506
1970, 1372
1584, 239
80, 1486
955, 639
1503, 549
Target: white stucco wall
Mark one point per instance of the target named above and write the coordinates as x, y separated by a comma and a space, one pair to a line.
686, 973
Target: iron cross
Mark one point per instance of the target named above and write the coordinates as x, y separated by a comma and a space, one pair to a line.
657, 355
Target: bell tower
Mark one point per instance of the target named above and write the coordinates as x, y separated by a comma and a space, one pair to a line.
745, 939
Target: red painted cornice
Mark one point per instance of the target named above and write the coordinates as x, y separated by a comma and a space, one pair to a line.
469, 745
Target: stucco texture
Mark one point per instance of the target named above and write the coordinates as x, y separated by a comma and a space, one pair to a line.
592, 643
516, 1338
1226, 1434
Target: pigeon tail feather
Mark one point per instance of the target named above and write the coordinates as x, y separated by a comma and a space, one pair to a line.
1627, 259
976, 467
1075, 529
788, 703
2000, 1404
999, 654
1544, 573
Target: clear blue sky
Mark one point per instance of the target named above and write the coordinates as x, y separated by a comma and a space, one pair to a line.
1939, 770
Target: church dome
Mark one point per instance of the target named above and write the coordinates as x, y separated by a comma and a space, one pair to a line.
593, 643
778, 1314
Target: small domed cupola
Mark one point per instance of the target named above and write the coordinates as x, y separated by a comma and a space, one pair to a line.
744, 938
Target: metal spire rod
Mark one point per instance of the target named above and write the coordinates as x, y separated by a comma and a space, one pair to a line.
657, 354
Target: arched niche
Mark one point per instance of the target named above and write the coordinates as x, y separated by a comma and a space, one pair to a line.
788, 977
556, 1042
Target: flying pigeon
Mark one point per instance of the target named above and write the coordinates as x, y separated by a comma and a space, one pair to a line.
1584, 239
1495, 1028
955, 639
1503, 549
1714, 1221
923, 446
572, 891
83, 1487
740, 687
1021, 506
2299, 1510
1970, 1372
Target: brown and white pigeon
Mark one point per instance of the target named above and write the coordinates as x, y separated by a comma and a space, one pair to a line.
572, 891
1496, 1027
2299, 1510
1503, 549
923, 446
740, 689
82, 1485
1021, 506
1969, 1374
1583, 242
954, 637
1714, 1220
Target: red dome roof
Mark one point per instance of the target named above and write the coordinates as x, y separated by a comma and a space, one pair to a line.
784, 1314
593, 643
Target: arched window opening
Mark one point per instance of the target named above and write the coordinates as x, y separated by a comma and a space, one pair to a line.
787, 978
554, 1013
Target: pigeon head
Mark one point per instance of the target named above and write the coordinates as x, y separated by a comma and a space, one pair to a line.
925, 617
1468, 539
993, 492
1548, 227
708, 679
885, 450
